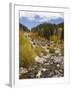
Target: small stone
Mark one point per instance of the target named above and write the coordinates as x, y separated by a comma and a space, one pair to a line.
58, 65
47, 56
37, 58
43, 69
47, 50
52, 57
56, 71
46, 64
41, 54
59, 54
51, 62
58, 59
40, 59
57, 51
33, 46
60, 70
23, 70
55, 76
51, 74
59, 74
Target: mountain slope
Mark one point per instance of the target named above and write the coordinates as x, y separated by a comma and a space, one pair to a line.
24, 28
47, 30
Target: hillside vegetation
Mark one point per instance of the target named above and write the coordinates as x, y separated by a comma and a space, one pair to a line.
49, 31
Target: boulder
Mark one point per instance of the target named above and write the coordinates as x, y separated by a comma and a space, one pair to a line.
41, 54
23, 70
40, 59
58, 51
47, 56
58, 59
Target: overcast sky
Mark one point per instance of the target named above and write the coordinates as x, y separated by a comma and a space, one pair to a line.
32, 19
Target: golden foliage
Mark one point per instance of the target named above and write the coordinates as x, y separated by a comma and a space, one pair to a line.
54, 38
26, 53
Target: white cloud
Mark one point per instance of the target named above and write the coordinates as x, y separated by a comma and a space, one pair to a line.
44, 16
29, 15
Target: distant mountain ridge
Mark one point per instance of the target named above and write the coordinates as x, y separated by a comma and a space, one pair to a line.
56, 21
22, 27
47, 26
47, 29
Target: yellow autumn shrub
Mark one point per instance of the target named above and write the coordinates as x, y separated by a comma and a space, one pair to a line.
26, 52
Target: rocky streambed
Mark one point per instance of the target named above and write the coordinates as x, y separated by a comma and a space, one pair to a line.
51, 65
44, 66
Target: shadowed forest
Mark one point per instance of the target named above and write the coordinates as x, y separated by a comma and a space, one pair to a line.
41, 51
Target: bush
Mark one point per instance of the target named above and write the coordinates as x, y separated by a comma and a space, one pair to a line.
26, 56
38, 50
54, 38
26, 52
